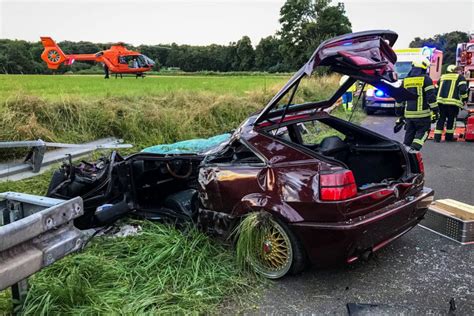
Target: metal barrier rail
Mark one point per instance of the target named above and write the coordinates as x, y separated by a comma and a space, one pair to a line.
38, 149
35, 232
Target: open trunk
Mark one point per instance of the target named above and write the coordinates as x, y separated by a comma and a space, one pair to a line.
373, 159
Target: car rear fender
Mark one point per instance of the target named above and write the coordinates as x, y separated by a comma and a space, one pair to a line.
260, 202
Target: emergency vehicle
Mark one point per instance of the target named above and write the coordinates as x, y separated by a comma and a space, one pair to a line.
376, 99
465, 62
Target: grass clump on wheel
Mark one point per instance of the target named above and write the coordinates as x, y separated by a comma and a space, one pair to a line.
267, 246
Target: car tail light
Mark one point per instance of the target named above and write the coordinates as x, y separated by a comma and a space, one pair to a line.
421, 166
337, 186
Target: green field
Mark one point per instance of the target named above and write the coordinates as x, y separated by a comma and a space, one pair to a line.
94, 86
162, 270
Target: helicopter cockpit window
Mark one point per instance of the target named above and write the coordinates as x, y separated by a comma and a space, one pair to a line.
145, 61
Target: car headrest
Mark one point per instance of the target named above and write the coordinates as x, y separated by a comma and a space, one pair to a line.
331, 144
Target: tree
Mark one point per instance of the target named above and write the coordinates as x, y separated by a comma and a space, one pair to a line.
305, 24
267, 53
446, 42
244, 55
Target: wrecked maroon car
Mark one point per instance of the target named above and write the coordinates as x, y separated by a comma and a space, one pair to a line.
335, 192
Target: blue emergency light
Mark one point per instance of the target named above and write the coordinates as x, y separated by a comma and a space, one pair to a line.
379, 93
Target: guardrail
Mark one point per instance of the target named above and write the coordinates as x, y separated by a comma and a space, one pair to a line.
35, 232
38, 149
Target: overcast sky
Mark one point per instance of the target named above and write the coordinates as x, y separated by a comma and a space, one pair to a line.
202, 22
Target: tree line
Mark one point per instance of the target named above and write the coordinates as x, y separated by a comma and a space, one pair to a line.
447, 42
304, 24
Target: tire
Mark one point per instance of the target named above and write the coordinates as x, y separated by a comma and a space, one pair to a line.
281, 253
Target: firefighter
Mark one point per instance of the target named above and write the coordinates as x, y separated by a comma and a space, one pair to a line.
452, 94
419, 113
348, 96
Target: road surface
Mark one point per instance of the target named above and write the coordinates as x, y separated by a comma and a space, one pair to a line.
418, 273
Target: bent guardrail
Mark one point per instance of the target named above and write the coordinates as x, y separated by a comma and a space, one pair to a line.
35, 232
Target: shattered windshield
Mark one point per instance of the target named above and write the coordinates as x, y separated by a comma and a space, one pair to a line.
403, 68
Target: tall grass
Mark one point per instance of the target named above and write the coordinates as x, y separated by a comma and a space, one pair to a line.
160, 270
142, 120
61, 87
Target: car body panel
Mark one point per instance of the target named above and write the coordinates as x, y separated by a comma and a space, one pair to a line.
332, 243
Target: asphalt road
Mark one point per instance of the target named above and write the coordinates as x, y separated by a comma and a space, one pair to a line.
416, 274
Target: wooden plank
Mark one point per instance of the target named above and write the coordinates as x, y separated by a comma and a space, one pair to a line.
458, 209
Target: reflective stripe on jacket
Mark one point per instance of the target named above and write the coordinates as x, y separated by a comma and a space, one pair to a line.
423, 87
452, 89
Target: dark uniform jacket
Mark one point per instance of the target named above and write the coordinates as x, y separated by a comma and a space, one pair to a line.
419, 83
452, 89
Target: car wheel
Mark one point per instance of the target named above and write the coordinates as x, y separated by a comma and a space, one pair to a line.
280, 252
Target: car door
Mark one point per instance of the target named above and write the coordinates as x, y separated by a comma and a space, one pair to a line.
224, 183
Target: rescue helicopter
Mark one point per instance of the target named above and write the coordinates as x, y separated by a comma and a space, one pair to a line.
117, 59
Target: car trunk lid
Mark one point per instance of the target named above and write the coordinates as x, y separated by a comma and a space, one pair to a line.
365, 56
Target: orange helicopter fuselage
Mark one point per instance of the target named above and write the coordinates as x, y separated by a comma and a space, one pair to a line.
117, 58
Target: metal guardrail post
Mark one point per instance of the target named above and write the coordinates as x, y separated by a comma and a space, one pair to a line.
35, 232
19, 290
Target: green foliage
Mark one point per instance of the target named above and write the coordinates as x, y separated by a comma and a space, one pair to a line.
305, 24
245, 55
267, 54
447, 42
161, 270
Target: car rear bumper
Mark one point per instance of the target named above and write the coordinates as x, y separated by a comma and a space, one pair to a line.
332, 243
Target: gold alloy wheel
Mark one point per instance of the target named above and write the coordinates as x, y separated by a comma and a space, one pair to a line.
273, 259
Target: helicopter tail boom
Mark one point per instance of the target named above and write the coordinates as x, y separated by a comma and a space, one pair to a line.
52, 53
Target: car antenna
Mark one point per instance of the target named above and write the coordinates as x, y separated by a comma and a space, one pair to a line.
357, 103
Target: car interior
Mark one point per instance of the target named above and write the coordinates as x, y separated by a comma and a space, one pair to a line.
372, 159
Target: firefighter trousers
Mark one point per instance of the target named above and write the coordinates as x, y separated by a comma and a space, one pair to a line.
448, 115
417, 131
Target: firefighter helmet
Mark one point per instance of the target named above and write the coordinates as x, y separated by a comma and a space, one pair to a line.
451, 68
423, 64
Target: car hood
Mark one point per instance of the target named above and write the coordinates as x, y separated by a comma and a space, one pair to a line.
366, 56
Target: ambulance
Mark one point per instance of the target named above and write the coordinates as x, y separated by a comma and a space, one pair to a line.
376, 99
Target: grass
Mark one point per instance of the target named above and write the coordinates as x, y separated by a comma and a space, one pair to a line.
251, 233
63, 87
142, 119
161, 270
